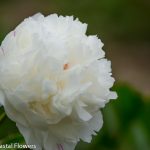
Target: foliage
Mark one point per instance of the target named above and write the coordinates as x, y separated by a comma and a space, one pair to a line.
125, 19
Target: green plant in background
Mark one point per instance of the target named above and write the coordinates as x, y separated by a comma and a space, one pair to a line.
114, 19
126, 124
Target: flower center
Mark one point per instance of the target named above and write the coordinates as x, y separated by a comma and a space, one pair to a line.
66, 66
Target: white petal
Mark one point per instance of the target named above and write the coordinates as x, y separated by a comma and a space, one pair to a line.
49, 88
2, 98
82, 113
95, 124
38, 16
113, 95
30, 136
56, 143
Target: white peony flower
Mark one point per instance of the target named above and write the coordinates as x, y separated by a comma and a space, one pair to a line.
53, 81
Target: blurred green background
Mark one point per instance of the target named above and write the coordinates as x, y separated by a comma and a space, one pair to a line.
124, 27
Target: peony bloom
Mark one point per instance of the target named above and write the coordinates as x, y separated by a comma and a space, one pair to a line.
53, 81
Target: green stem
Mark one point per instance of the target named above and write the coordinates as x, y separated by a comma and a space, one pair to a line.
2, 116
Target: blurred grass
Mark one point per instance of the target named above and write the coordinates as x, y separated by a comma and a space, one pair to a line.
126, 124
